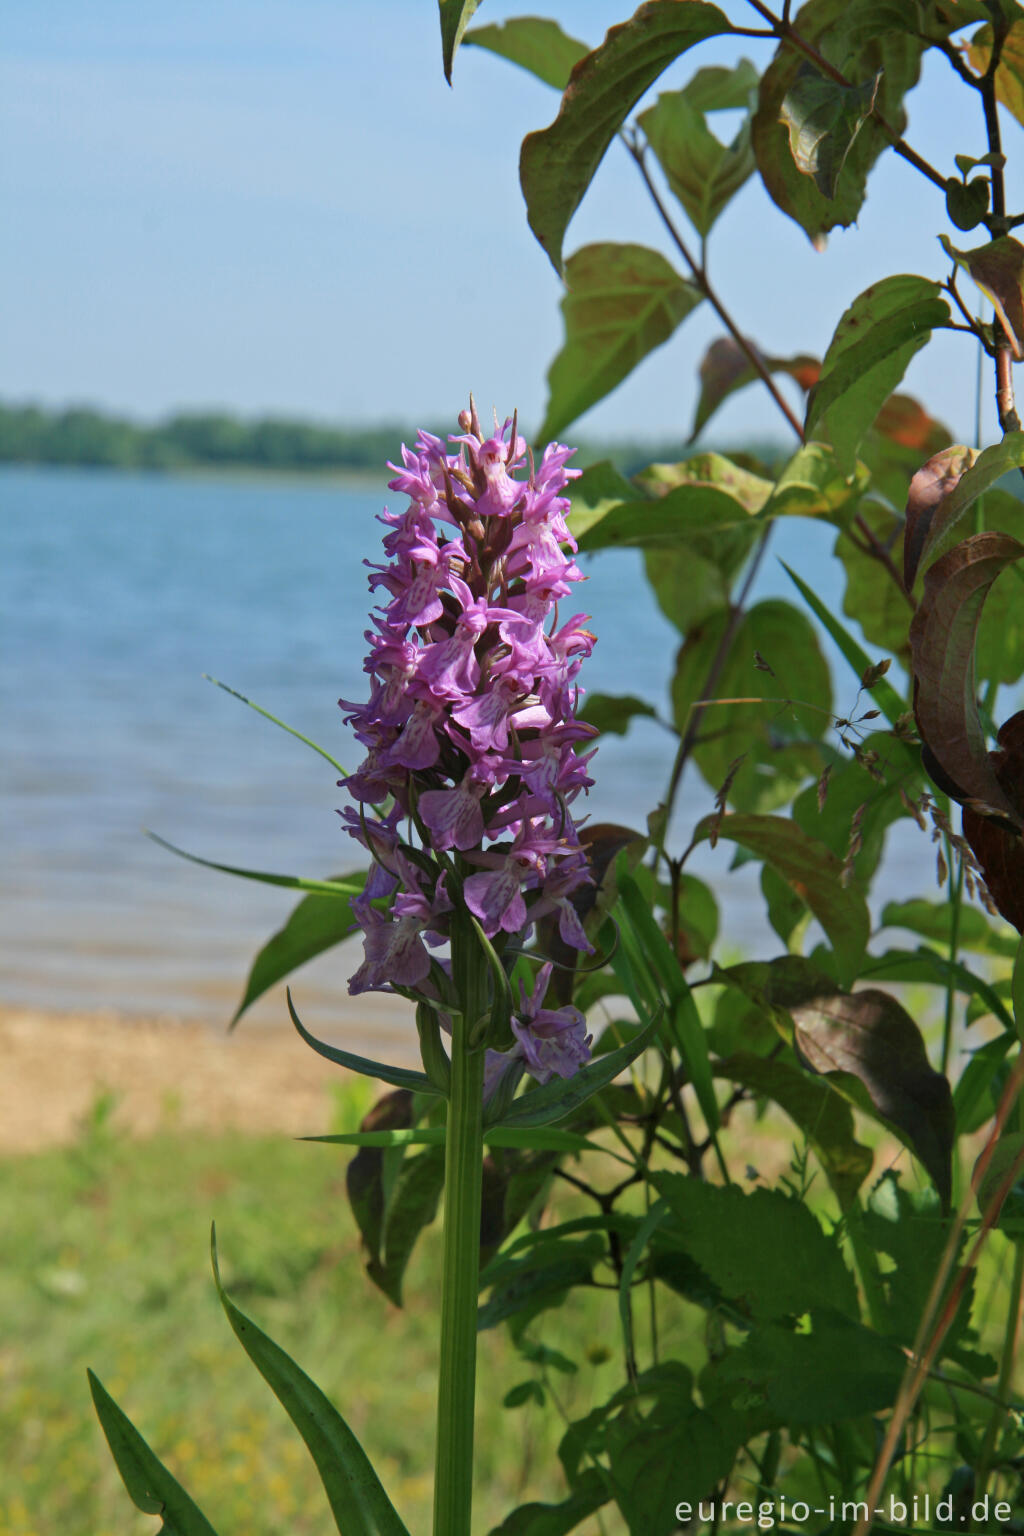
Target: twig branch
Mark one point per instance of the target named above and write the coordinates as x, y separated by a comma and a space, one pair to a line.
782, 28
701, 281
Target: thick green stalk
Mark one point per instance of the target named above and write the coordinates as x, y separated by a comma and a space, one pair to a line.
453, 1479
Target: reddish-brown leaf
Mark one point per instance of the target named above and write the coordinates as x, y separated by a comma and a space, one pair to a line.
726, 368
998, 849
868, 1036
942, 636
929, 490
905, 421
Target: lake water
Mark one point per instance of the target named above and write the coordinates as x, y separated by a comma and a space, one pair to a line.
118, 591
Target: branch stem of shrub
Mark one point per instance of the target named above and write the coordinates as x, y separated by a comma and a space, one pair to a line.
944, 1300
701, 281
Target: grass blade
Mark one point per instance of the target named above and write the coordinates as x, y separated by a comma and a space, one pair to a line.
275, 721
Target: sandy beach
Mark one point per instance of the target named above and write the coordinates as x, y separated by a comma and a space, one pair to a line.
163, 1073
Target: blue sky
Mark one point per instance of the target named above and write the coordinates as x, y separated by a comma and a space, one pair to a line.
280, 206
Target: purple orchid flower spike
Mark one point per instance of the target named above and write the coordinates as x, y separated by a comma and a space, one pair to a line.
471, 739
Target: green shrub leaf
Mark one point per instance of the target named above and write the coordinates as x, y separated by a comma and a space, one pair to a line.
868, 356
455, 18
621, 302
535, 44
557, 165
822, 1114
704, 173
813, 871
869, 1037
780, 714
762, 1249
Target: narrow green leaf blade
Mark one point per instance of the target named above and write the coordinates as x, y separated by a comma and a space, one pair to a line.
535, 44
290, 882
621, 302
635, 1252
357, 1498
306, 740
524, 1138
150, 1486
556, 165
683, 1014
399, 1077
589, 1493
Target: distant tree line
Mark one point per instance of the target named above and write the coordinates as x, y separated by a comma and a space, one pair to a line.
31, 435
80, 435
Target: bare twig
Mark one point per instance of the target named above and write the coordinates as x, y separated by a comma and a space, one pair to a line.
701, 281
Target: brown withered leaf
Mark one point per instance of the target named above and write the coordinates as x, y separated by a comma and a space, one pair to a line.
942, 636
998, 848
726, 368
928, 492
868, 1036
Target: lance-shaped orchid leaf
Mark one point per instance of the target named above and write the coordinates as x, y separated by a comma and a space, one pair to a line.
355, 1493
399, 1077
150, 1486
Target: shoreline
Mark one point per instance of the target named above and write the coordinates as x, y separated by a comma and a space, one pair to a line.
63, 1070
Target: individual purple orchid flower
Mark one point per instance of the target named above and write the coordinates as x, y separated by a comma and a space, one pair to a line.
469, 730
553, 1042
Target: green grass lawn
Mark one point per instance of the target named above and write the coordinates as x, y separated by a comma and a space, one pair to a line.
106, 1264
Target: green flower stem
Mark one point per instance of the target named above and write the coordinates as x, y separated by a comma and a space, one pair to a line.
453, 1480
